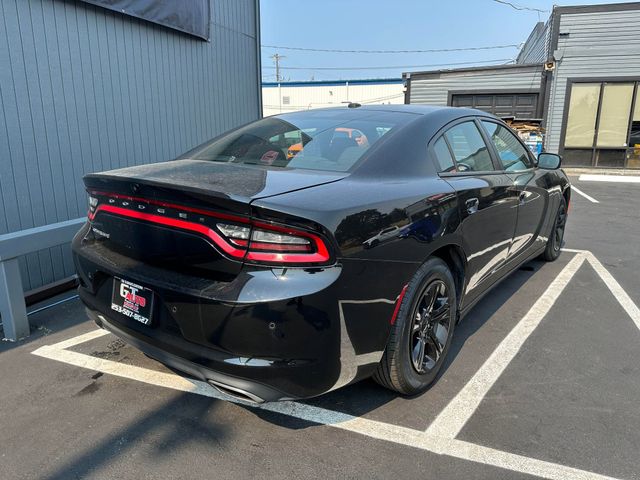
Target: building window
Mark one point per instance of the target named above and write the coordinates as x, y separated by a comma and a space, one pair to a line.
603, 125
634, 137
583, 109
614, 115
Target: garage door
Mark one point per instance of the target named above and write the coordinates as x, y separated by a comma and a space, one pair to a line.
519, 105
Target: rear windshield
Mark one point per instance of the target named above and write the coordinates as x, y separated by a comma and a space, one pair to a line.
331, 141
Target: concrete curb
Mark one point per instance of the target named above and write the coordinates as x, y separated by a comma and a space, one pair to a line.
600, 171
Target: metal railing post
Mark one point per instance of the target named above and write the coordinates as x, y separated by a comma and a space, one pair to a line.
12, 307
12, 246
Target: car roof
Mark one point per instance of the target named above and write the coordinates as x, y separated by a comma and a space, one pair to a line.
434, 112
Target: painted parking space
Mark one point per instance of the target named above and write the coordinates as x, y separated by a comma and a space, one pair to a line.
563, 406
572, 387
588, 177
584, 195
595, 188
446, 434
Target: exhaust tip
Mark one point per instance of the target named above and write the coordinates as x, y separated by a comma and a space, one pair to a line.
235, 392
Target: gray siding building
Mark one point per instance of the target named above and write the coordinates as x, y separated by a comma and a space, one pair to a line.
506, 90
584, 69
593, 116
536, 48
85, 89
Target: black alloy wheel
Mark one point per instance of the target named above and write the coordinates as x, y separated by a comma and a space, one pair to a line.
556, 237
430, 329
421, 335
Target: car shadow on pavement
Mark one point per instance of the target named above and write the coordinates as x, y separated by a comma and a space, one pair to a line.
365, 397
181, 423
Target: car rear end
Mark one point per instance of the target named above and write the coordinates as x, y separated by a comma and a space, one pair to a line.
194, 279
188, 261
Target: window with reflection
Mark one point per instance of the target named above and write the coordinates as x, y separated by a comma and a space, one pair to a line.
614, 115
443, 156
583, 110
603, 124
328, 141
513, 155
633, 159
470, 151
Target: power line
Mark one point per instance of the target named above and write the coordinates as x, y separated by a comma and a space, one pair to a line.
276, 58
396, 67
520, 7
430, 50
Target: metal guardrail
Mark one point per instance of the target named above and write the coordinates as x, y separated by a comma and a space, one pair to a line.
12, 246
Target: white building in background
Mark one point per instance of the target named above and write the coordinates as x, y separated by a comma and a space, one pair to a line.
292, 96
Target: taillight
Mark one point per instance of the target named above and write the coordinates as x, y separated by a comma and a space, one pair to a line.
238, 237
275, 244
93, 203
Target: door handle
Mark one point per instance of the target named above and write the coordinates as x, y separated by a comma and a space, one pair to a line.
523, 196
472, 205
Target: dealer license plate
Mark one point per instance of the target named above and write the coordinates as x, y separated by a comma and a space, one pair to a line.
132, 300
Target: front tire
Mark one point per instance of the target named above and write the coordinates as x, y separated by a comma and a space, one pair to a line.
421, 335
554, 242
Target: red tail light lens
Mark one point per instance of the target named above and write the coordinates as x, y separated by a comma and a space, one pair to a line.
237, 237
275, 244
264, 240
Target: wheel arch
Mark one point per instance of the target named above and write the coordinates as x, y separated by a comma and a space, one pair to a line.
456, 260
567, 195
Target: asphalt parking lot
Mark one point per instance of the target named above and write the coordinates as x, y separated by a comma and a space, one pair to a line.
543, 381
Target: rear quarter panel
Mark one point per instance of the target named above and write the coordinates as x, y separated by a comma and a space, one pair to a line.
383, 231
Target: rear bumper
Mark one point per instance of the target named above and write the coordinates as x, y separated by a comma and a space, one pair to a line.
266, 334
237, 387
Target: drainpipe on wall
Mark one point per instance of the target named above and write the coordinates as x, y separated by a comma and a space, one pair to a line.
258, 59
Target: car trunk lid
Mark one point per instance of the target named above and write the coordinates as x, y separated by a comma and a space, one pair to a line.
169, 214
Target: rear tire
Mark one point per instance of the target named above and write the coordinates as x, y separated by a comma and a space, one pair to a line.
554, 242
421, 335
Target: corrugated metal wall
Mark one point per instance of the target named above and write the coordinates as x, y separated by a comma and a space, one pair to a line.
433, 89
535, 49
598, 44
83, 89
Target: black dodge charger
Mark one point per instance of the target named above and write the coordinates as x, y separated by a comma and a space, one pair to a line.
306, 251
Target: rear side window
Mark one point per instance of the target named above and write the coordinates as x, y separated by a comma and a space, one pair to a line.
468, 147
443, 157
513, 155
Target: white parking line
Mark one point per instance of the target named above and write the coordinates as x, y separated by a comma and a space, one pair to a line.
439, 437
609, 178
371, 428
616, 289
580, 192
454, 416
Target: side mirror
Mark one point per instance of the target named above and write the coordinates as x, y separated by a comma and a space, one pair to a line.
549, 161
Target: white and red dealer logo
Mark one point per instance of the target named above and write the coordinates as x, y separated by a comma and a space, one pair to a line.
132, 300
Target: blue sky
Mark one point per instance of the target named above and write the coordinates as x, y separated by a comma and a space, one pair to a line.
393, 25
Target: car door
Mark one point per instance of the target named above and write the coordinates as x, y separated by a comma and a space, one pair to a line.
517, 163
488, 203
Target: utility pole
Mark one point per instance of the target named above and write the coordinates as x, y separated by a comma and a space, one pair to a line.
276, 58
